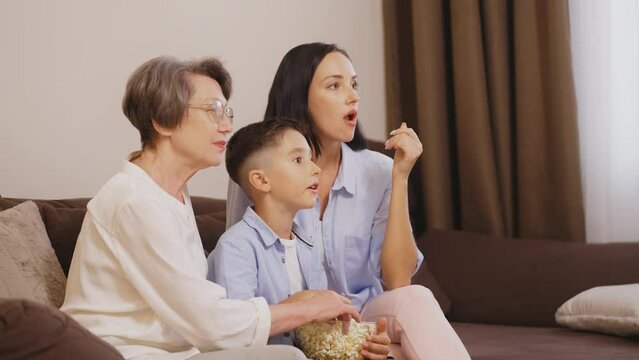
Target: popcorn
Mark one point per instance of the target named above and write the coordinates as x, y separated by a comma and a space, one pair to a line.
325, 341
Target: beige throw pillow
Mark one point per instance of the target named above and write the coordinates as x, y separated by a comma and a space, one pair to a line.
30, 268
606, 309
12, 284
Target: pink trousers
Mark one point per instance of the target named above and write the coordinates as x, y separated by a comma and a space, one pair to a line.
416, 323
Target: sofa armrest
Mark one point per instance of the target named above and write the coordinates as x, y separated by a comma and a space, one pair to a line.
521, 281
29, 330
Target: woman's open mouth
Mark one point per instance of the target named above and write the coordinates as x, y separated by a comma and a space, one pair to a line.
351, 117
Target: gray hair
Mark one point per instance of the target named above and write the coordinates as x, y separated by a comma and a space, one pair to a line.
159, 90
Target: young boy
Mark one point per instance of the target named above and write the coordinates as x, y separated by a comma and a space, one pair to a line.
261, 255
267, 254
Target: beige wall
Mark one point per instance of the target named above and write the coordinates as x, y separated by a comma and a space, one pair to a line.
65, 63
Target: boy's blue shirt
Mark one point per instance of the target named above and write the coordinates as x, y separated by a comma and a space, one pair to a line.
248, 261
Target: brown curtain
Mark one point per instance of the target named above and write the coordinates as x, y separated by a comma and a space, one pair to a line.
488, 86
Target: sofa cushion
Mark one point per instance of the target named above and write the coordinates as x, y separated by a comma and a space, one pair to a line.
206, 205
33, 331
210, 226
500, 342
24, 239
521, 281
63, 227
607, 309
6, 203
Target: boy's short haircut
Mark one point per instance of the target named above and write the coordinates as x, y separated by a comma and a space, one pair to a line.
254, 138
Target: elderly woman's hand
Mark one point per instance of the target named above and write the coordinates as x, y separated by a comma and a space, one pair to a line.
407, 149
325, 305
300, 296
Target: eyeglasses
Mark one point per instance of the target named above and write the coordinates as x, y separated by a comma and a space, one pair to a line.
216, 111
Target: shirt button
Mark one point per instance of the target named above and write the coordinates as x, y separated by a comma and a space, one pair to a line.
283, 260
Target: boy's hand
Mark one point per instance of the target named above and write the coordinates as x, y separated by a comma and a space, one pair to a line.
376, 346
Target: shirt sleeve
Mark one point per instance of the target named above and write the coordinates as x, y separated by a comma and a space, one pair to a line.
232, 265
236, 204
379, 231
154, 256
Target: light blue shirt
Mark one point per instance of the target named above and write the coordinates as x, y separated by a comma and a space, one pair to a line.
353, 226
249, 261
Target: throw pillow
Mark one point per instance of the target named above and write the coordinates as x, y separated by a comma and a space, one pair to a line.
29, 330
24, 240
12, 283
607, 309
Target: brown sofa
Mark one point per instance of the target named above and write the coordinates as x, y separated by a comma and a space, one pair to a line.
504, 293
500, 295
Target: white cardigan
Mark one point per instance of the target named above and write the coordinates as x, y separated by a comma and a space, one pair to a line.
138, 277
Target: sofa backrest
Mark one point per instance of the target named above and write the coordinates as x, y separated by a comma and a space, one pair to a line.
63, 220
521, 281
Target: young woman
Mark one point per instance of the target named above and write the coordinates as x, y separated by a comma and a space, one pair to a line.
138, 275
361, 216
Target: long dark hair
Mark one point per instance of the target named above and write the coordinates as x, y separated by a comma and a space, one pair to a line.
288, 96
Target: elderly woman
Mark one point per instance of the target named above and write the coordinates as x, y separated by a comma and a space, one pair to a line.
138, 275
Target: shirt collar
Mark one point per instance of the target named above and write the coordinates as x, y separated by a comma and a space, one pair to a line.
267, 235
132, 169
347, 174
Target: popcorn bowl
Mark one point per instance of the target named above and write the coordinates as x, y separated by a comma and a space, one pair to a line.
325, 341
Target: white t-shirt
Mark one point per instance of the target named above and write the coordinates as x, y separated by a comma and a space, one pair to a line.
295, 279
138, 277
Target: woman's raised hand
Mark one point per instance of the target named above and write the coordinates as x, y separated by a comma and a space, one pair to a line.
407, 149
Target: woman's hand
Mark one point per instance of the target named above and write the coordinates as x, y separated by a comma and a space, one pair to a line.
376, 346
407, 149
